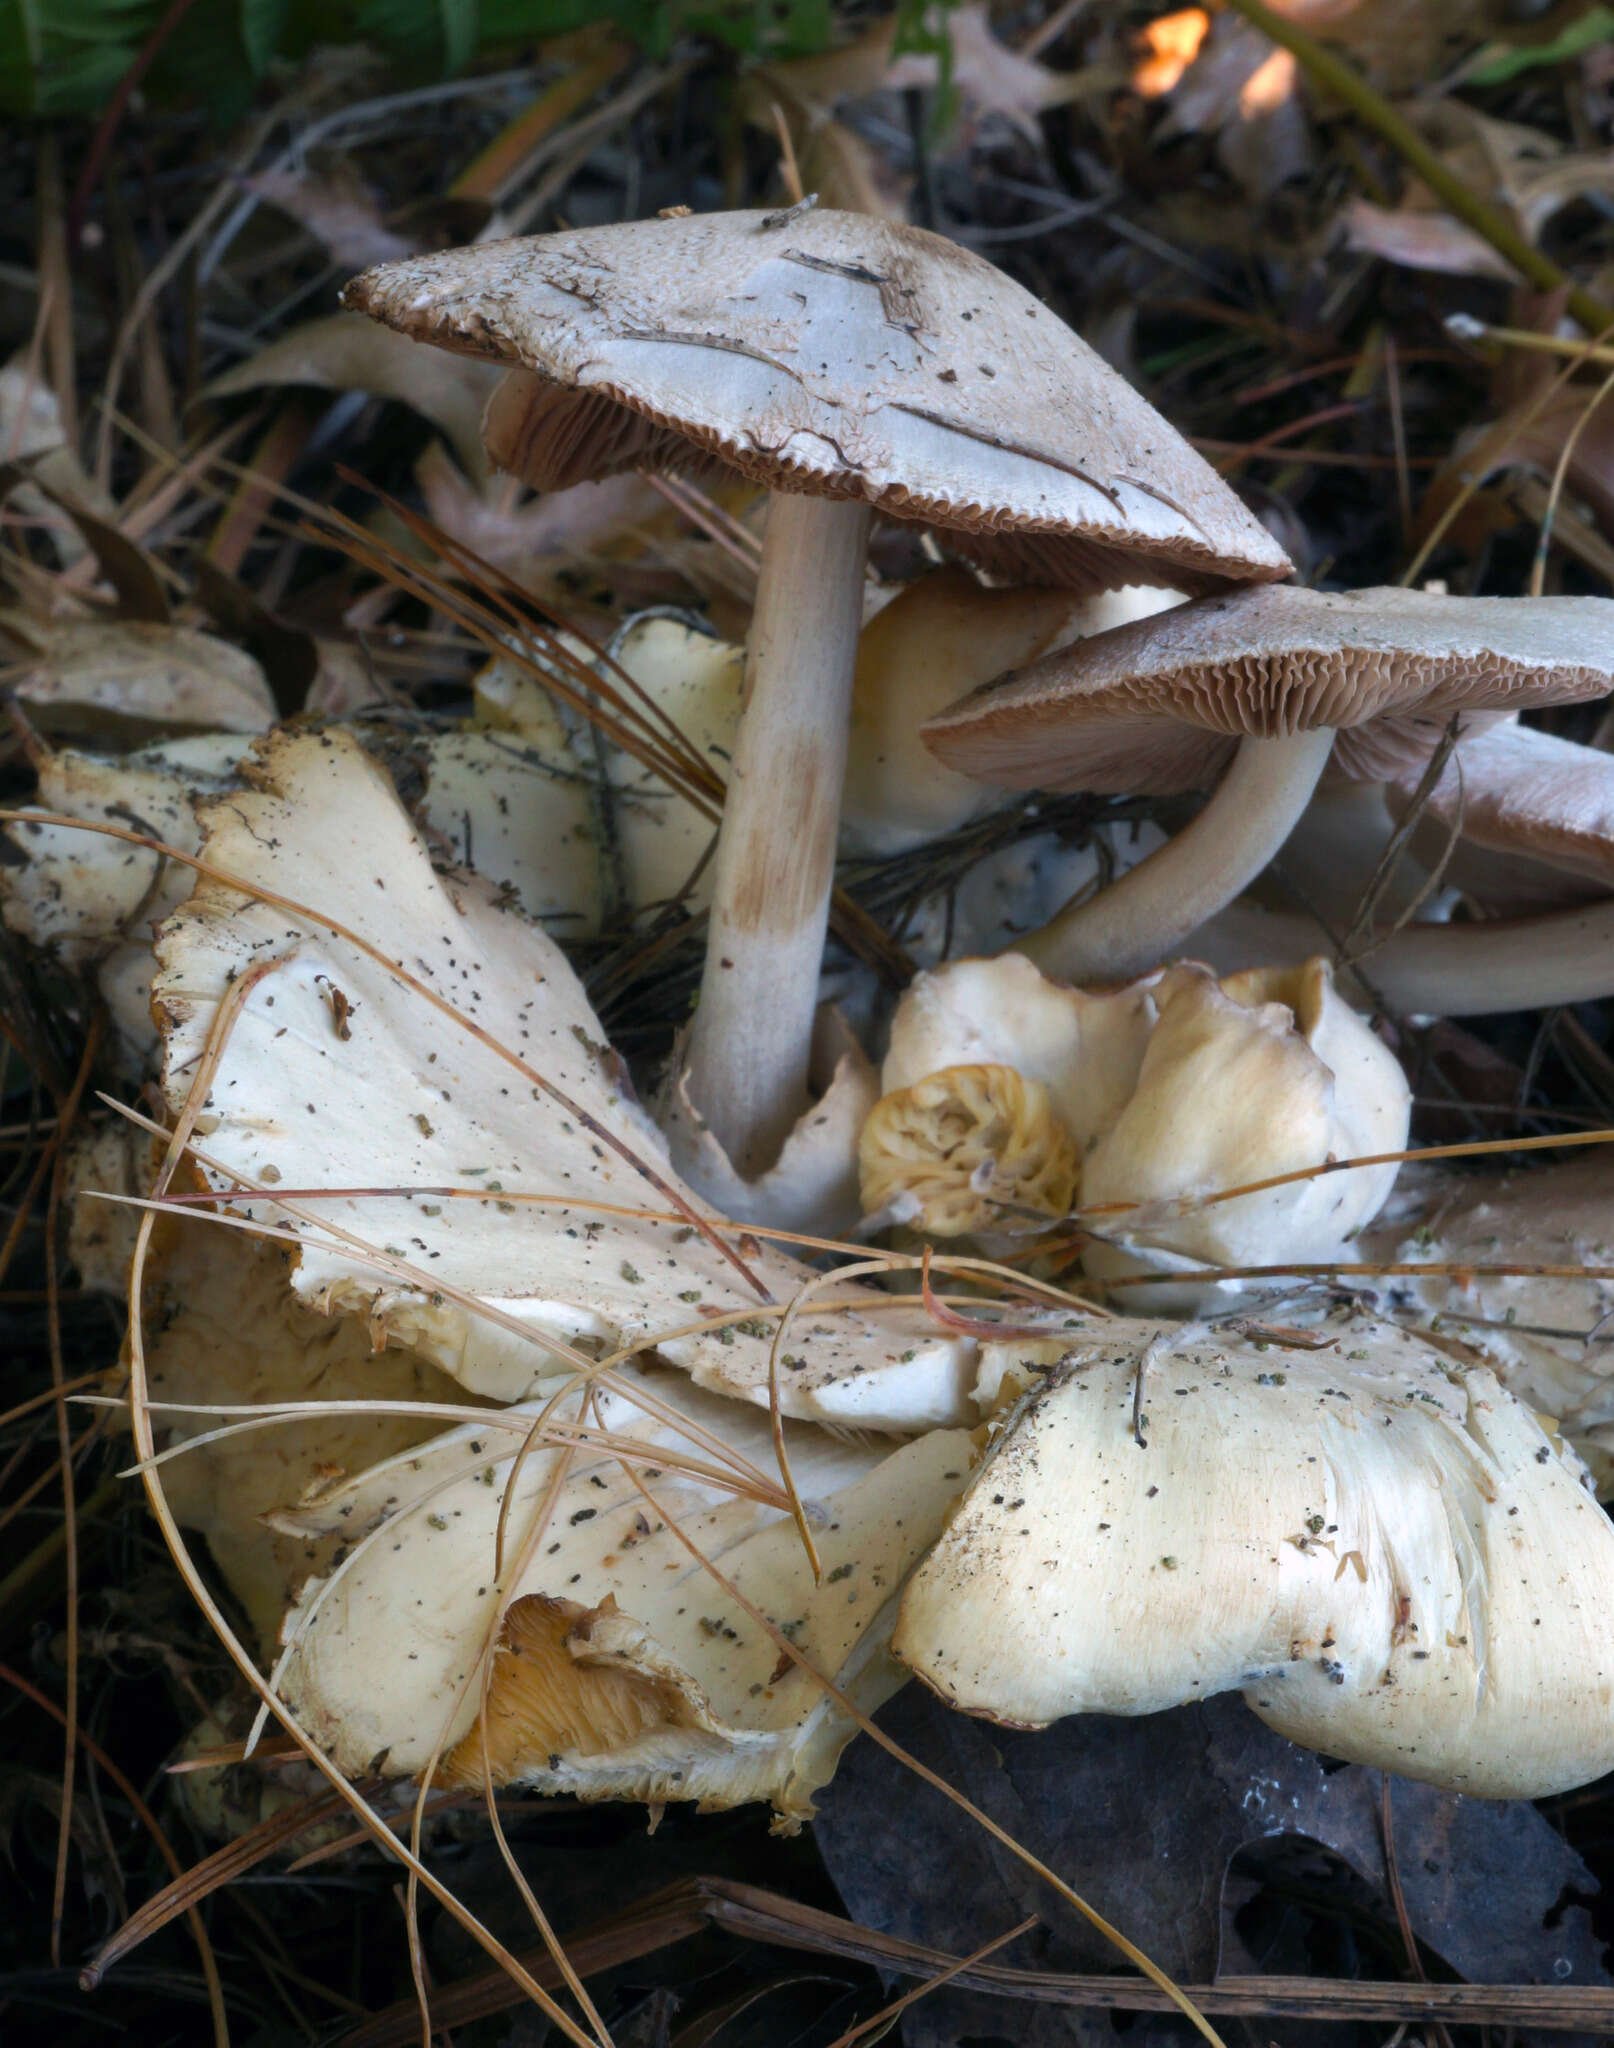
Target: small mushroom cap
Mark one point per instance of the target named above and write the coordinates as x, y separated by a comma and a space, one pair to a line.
1130, 710
1535, 814
831, 354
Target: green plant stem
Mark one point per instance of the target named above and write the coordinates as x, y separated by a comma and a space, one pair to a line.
1332, 72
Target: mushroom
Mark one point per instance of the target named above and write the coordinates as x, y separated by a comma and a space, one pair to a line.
1271, 683
849, 364
1534, 815
937, 639
1009, 1099
1548, 1336
224, 1328
445, 1052
623, 1668
1386, 1553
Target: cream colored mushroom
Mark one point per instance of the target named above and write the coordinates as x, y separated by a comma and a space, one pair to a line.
337, 1074
1267, 685
623, 1668
1388, 1555
1004, 1092
850, 364
225, 1328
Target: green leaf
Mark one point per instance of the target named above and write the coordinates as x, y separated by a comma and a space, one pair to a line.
1497, 64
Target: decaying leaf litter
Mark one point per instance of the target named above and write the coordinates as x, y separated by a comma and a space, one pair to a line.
220, 516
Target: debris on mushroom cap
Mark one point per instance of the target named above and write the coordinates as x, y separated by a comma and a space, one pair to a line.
335, 1073
1385, 1553
1535, 815
1546, 1336
968, 1150
1261, 1073
835, 354
1158, 706
223, 1327
937, 639
95, 677
1172, 1089
624, 1668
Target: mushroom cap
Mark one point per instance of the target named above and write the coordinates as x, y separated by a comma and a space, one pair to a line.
1388, 1555
829, 354
1541, 807
1130, 710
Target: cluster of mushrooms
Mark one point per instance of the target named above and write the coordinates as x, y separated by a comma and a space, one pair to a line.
575, 1461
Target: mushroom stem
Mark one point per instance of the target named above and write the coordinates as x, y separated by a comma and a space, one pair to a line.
748, 1047
1445, 970
1140, 919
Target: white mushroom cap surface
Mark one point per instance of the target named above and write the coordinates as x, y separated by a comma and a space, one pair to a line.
832, 354
627, 1671
1389, 1557
1546, 1336
380, 1090
1159, 705
1259, 1074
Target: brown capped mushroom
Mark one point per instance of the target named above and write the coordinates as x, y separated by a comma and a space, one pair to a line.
850, 364
1534, 815
1266, 684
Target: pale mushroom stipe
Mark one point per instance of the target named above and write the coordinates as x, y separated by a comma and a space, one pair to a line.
854, 366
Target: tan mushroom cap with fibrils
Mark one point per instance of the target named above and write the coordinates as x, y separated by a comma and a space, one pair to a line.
1158, 706
829, 354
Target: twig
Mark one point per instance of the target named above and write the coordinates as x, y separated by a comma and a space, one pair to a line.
1336, 76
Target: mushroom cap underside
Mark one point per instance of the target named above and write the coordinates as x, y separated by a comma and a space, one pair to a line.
1159, 705
837, 355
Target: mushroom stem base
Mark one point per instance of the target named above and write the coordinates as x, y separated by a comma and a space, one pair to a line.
748, 1048
1135, 923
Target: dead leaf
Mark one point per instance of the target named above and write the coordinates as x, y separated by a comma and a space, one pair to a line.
1242, 91
990, 77
1400, 46
347, 352
1166, 47
338, 209
1517, 169
1421, 238
1143, 1817
89, 676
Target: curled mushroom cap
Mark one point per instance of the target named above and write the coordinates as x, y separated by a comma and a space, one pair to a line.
1009, 1097
1287, 676
512, 1219
837, 354
1387, 1555
623, 1668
